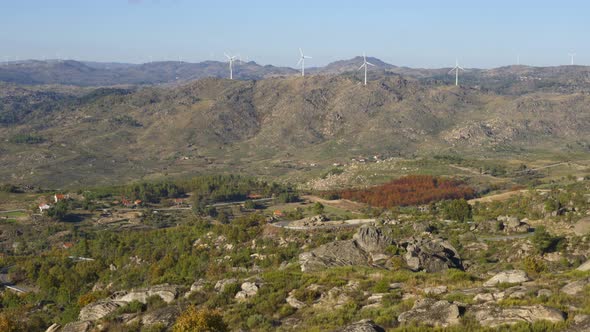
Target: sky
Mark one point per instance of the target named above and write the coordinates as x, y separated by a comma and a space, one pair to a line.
413, 33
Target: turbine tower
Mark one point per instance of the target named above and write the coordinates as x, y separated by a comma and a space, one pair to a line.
456, 70
231, 60
365, 65
302, 61
572, 56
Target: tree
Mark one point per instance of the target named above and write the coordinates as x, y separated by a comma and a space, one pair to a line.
545, 242
7, 324
59, 210
318, 208
200, 320
457, 209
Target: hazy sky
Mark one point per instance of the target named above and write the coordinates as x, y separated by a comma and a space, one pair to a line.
416, 33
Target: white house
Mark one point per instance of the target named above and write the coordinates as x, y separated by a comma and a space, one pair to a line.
44, 207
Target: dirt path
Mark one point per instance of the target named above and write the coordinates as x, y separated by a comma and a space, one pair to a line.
497, 197
342, 204
474, 172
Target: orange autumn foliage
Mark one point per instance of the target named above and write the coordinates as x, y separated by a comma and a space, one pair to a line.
410, 190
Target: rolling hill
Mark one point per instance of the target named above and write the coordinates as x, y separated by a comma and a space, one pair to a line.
274, 125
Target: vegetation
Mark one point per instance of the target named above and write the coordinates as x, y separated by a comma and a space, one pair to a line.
410, 190
200, 320
27, 139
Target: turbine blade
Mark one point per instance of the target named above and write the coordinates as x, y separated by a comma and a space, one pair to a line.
361, 67
307, 57
452, 70
301, 51
370, 64
299, 62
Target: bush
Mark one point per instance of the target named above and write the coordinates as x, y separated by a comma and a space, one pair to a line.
533, 265
59, 210
544, 242
200, 320
27, 139
457, 209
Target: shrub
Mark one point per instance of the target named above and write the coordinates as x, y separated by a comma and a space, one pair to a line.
200, 320
533, 265
27, 139
544, 242
457, 209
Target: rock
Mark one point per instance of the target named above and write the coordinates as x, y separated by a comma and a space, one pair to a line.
166, 292
294, 302
431, 312
431, 255
544, 292
581, 318
493, 316
422, 227
489, 297
362, 326
249, 289
221, 284
100, 309
437, 290
339, 253
77, 327
367, 247
511, 277
574, 288
396, 285
165, 316
53, 328
584, 267
197, 286
372, 239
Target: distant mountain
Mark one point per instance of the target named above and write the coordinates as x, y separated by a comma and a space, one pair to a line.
70, 72
353, 64
510, 79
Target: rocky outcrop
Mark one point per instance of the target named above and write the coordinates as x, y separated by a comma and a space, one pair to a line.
249, 289
436, 290
294, 302
163, 316
362, 326
339, 253
493, 316
221, 284
574, 288
372, 239
97, 310
166, 292
53, 328
77, 327
367, 246
431, 312
100, 309
430, 255
510, 277
584, 267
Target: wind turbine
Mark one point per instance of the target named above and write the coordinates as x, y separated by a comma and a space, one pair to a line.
231, 60
365, 65
572, 56
456, 70
302, 61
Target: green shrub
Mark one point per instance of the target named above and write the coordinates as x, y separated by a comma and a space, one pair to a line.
27, 139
